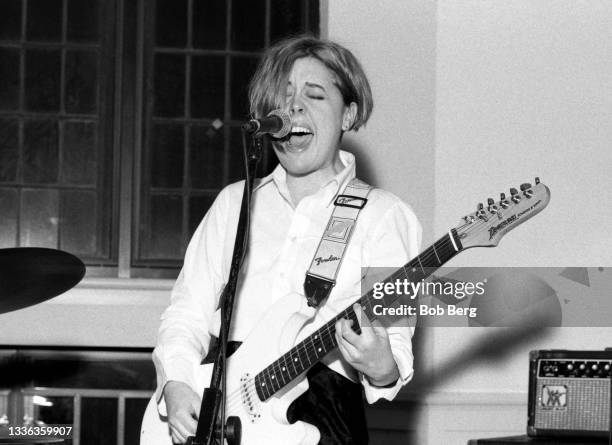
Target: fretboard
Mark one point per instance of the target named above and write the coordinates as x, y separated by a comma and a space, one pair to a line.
313, 348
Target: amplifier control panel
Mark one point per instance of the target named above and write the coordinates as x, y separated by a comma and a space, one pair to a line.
578, 368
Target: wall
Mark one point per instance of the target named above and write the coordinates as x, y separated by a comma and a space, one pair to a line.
521, 89
395, 41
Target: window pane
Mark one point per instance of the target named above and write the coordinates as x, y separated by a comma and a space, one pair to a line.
44, 21
248, 25
134, 411
103, 430
40, 151
242, 71
78, 227
61, 410
207, 86
79, 153
81, 81
286, 18
83, 20
39, 218
198, 206
10, 20
8, 221
167, 156
171, 23
209, 24
207, 156
9, 79
42, 83
169, 95
163, 236
236, 156
9, 149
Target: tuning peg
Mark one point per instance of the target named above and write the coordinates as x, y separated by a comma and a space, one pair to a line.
481, 213
537, 180
502, 196
525, 186
513, 191
492, 207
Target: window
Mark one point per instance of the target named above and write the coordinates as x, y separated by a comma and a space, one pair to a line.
55, 117
120, 120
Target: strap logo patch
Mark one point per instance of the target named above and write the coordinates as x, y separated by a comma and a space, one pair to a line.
339, 229
350, 201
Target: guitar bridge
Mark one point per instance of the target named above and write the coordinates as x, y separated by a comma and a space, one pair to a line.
249, 398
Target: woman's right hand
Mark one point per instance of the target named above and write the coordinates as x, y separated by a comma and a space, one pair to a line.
183, 407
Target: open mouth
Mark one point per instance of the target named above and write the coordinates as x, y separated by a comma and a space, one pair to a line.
299, 137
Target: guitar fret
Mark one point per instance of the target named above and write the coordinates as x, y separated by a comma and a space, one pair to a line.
420, 264
293, 362
301, 357
436, 253
262, 391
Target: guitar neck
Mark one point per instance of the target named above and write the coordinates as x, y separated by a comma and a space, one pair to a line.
313, 348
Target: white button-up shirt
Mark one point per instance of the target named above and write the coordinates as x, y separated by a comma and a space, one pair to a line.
282, 243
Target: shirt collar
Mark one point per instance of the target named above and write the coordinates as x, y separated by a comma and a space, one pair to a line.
331, 189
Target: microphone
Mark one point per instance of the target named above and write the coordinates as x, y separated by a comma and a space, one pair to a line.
277, 124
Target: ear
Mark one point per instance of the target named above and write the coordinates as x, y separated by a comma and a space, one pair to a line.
348, 118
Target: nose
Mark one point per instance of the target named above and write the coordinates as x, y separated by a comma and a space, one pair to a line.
296, 105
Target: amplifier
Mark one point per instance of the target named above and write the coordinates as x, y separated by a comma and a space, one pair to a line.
569, 393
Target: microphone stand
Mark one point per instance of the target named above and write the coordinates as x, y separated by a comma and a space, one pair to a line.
212, 428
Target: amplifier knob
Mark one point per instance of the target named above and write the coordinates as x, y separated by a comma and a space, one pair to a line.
582, 367
570, 367
607, 367
594, 367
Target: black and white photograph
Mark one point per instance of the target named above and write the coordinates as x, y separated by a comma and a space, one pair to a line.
305, 222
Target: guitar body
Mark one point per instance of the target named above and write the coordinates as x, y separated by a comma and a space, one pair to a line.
262, 422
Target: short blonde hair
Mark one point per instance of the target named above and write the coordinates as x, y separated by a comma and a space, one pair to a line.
268, 85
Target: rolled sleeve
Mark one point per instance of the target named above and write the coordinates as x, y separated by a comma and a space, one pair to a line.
396, 239
400, 340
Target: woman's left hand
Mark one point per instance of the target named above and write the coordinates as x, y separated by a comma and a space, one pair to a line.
368, 352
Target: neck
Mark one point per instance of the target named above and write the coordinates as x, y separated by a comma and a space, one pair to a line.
308, 184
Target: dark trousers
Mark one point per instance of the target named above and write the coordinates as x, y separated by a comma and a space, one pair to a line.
334, 404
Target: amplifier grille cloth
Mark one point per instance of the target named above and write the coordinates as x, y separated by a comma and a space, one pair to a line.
587, 405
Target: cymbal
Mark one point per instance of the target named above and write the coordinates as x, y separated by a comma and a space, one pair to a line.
31, 275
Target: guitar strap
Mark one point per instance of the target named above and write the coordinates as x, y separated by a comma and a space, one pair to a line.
321, 276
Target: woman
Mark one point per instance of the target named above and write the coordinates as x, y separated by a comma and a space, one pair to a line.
325, 91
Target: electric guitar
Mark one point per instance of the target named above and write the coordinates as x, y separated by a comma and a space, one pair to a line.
262, 382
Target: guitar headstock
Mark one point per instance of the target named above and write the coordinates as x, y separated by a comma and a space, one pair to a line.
488, 224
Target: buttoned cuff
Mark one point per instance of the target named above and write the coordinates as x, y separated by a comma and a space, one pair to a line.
374, 393
178, 369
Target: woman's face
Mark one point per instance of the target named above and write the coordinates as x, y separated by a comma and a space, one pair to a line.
317, 113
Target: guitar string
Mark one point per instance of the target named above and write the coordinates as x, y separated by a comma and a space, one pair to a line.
235, 397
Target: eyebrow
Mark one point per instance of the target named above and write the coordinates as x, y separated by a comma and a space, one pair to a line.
309, 84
